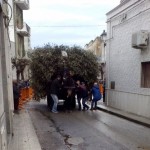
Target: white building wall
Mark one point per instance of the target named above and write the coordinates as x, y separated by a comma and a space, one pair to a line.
12, 36
123, 61
11, 24
1, 84
11, 28
27, 45
5, 110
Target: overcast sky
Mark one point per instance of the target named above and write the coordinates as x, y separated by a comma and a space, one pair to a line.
68, 22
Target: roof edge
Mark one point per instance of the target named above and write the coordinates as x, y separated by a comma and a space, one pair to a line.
121, 4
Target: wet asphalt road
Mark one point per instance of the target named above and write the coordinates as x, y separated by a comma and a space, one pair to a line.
89, 130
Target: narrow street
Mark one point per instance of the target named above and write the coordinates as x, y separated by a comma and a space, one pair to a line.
89, 130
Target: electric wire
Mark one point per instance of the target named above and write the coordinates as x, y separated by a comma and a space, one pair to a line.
63, 26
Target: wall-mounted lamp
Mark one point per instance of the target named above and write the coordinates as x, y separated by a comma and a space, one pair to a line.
103, 36
64, 54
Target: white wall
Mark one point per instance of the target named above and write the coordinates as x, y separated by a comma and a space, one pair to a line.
11, 27
1, 85
3, 130
123, 61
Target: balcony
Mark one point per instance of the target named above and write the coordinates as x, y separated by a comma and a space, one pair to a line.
24, 31
22, 4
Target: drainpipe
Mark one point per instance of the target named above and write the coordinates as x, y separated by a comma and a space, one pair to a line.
108, 64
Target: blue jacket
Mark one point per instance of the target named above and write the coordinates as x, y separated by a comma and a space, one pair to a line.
96, 93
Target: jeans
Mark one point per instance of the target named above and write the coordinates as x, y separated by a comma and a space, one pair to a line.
84, 103
92, 104
79, 103
55, 99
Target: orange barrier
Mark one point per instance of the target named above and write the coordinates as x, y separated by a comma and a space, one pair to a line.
30, 93
25, 96
101, 88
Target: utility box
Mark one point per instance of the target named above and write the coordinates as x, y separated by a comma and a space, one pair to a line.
140, 39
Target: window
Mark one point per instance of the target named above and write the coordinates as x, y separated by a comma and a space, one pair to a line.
145, 81
112, 85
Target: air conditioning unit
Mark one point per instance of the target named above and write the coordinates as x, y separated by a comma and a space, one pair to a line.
140, 39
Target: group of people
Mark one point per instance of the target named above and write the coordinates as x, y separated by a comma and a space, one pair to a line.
84, 94
70, 89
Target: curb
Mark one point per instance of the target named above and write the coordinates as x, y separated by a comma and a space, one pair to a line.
125, 117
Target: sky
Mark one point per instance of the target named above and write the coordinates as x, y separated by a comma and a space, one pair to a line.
67, 22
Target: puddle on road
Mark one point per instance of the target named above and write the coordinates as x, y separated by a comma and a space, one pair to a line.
75, 140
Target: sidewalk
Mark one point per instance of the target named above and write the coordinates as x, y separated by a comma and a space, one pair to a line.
24, 137
131, 117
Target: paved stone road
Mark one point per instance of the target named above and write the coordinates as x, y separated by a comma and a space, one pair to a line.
86, 130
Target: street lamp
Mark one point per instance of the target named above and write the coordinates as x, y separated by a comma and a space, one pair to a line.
103, 37
64, 56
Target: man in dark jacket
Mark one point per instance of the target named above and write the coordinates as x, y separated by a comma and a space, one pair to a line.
16, 94
69, 84
54, 90
84, 96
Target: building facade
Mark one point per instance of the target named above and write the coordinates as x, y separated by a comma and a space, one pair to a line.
6, 96
96, 46
20, 33
128, 57
12, 32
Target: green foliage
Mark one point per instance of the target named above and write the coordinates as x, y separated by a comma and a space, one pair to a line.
83, 63
47, 61
19, 64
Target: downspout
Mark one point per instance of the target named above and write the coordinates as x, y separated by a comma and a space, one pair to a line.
108, 68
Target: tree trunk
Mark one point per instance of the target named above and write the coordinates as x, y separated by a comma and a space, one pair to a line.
22, 75
18, 75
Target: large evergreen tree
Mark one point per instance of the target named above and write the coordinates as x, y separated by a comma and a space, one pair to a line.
47, 61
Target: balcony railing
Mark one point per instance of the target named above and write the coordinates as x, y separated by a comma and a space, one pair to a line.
24, 31
23, 4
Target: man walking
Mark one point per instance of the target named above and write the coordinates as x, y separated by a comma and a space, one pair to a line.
54, 90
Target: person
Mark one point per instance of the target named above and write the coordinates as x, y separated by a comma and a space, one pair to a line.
27, 83
84, 96
79, 94
68, 101
16, 96
104, 91
50, 102
54, 91
96, 95
70, 84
